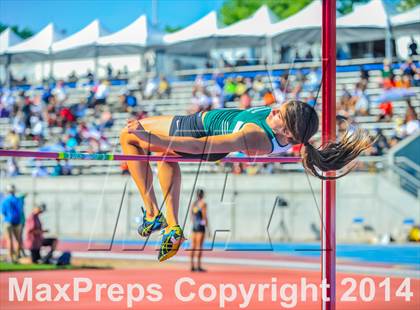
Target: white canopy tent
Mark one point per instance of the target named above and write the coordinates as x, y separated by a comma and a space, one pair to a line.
305, 25
198, 37
407, 23
8, 39
137, 36
251, 29
367, 22
80, 44
36, 47
405, 28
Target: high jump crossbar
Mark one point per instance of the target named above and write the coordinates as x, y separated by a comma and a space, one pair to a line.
328, 232
152, 158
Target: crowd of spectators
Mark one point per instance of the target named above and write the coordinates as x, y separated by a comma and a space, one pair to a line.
82, 123
395, 85
352, 105
49, 115
222, 90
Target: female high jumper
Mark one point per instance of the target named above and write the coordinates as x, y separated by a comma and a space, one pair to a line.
213, 135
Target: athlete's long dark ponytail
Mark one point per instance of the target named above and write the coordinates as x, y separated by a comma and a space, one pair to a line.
302, 121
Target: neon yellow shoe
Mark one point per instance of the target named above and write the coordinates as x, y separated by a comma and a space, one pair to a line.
171, 242
149, 226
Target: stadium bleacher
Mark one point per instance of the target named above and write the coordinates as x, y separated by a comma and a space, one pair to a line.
180, 100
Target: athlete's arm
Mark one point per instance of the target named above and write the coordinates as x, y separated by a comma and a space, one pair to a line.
247, 140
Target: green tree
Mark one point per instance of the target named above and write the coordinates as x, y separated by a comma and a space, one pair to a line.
408, 4
346, 6
24, 33
235, 10
171, 29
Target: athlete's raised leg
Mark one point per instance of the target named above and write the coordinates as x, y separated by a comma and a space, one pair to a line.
141, 171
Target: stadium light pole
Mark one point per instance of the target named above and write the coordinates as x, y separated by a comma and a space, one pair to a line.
328, 242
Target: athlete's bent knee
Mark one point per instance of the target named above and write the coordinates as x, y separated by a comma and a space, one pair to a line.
124, 135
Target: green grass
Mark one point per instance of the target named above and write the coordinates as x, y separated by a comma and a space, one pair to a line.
4, 266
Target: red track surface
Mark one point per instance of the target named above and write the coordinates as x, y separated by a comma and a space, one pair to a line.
167, 277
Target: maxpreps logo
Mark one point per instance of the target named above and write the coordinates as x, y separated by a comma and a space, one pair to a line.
71, 292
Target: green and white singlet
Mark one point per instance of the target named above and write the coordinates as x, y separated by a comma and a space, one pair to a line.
226, 121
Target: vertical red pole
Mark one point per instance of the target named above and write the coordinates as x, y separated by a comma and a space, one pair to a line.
328, 242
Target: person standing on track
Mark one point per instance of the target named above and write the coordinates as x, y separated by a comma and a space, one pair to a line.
199, 223
12, 211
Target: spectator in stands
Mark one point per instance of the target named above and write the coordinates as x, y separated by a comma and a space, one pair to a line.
35, 236
217, 92
124, 168
67, 168
70, 141
57, 170
60, 169
46, 93
102, 92
164, 88
109, 71
258, 86
229, 90
412, 122
37, 128
386, 70
312, 80
12, 211
150, 88
12, 140
245, 100
309, 56
12, 168
345, 102
284, 84
364, 76
242, 61
386, 111
18, 123
380, 144
106, 120
199, 82
72, 78
125, 72
241, 87
90, 76
296, 90
224, 63
360, 100
127, 100
402, 81
60, 92
201, 101
409, 69
7, 103
412, 48
269, 98
52, 111
279, 94
39, 170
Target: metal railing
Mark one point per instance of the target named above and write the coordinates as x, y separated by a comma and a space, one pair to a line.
409, 175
